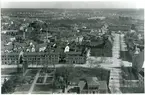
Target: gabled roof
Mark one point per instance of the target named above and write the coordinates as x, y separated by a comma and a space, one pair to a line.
74, 53
82, 85
92, 81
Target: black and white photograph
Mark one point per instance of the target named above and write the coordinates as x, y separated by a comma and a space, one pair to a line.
72, 47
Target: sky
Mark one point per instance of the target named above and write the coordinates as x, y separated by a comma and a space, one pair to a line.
71, 4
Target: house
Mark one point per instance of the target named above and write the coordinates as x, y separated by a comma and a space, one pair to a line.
89, 85
103, 87
92, 85
35, 58
74, 82
82, 87
75, 58
9, 58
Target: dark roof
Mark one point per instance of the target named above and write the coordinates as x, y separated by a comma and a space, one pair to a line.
96, 43
74, 53
85, 30
39, 53
11, 53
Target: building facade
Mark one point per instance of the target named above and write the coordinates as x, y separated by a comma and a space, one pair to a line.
75, 58
41, 58
9, 58
31, 58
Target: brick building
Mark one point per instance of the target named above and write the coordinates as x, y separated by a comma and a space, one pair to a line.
75, 58
40, 58
10, 32
31, 58
9, 58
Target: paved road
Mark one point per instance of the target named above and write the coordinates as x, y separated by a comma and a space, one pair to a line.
114, 81
115, 77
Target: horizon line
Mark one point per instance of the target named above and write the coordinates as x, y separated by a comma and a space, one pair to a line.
73, 8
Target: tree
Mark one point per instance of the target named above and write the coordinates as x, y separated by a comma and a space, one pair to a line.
63, 75
9, 86
123, 74
37, 26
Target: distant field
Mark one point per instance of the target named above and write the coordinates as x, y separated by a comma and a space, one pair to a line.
132, 89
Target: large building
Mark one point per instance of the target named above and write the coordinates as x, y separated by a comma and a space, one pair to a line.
41, 58
31, 58
9, 58
10, 32
75, 58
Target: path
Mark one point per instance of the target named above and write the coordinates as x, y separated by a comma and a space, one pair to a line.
34, 82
